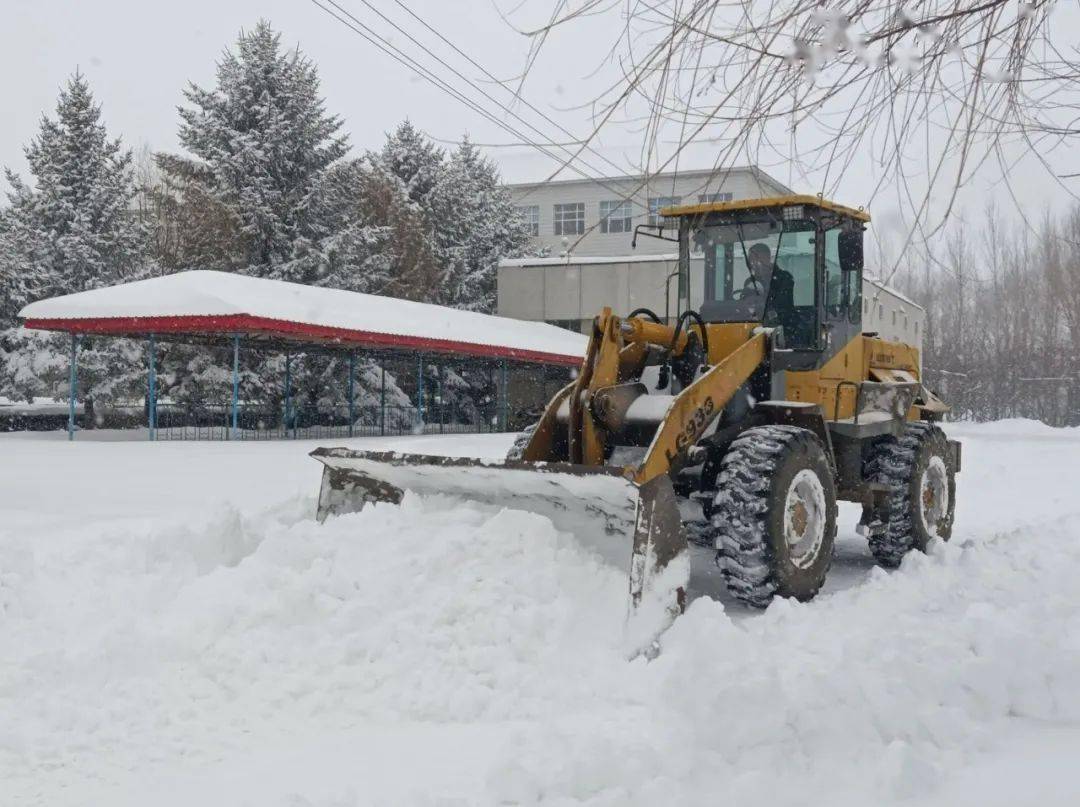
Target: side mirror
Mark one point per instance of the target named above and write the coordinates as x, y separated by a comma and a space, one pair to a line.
850, 253
850, 248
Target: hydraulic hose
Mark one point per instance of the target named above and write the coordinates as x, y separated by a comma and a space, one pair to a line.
694, 315
637, 312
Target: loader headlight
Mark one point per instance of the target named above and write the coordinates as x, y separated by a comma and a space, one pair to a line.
793, 213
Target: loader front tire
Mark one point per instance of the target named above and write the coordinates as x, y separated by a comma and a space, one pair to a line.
774, 515
521, 442
917, 473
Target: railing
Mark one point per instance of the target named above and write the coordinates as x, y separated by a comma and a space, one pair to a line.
267, 422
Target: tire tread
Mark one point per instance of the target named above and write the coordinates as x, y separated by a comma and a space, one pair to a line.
741, 506
892, 464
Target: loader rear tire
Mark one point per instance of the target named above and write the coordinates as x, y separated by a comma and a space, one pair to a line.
774, 515
917, 473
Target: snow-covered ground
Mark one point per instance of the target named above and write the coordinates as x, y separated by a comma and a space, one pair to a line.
176, 630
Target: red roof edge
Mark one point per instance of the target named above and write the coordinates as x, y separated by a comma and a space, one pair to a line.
231, 324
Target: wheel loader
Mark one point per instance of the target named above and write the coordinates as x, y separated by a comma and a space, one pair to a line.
737, 426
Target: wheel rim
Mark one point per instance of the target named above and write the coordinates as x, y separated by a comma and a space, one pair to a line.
934, 496
804, 518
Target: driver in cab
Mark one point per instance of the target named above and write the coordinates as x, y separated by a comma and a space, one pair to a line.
780, 303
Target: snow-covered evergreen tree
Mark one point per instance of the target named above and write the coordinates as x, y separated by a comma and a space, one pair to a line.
460, 221
381, 243
261, 140
475, 224
14, 272
73, 230
410, 221
413, 159
254, 193
468, 216
69, 231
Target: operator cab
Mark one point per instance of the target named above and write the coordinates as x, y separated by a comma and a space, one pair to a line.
793, 263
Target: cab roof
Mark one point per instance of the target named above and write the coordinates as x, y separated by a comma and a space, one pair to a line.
767, 202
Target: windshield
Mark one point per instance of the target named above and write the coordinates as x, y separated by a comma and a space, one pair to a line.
760, 271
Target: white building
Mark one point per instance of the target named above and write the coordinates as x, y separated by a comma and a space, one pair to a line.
586, 228
891, 314
597, 217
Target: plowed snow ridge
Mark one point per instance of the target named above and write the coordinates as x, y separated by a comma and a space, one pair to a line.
162, 646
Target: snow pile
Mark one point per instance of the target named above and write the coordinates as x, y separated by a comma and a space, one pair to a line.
160, 647
859, 694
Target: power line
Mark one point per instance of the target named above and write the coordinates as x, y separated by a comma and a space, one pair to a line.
380, 42
374, 38
384, 45
482, 69
406, 61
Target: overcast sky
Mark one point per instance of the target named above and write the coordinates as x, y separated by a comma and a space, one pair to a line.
139, 55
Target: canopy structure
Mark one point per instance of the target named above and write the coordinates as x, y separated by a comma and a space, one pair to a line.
215, 307
220, 304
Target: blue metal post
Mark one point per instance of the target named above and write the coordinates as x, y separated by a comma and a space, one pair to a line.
288, 394
420, 388
382, 400
235, 387
442, 402
493, 421
73, 382
151, 405
352, 392
504, 396
453, 405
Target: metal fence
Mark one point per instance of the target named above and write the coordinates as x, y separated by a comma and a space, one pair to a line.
267, 422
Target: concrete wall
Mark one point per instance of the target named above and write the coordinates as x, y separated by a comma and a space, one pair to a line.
741, 183
551, 290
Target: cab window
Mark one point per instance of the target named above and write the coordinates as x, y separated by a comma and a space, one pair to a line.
761, 271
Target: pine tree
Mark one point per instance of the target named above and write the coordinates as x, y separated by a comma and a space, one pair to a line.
380, 243
261, 140
468, 216
413, 159
476, 225
72, 230
13, 270
255, 193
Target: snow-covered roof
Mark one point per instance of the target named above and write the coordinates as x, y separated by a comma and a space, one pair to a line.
890, 290
219, 303
655, 179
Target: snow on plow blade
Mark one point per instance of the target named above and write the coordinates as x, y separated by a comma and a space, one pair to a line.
634, 527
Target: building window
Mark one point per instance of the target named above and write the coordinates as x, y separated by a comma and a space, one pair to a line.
615, 217
570, 219
916, 328
881, 312
894, 319
531, 215
710, 198
657, 203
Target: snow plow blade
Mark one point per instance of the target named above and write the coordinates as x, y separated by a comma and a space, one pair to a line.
634, 527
